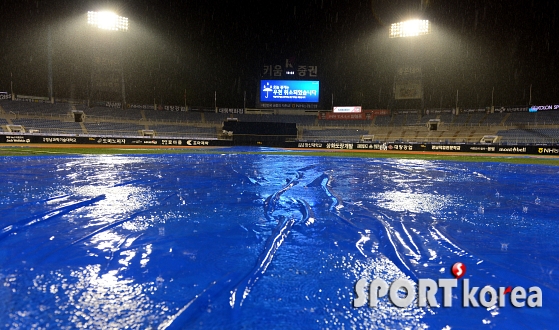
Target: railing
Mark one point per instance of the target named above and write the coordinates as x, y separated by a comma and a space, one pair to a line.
55, 131
38, 115
385, 137
380, 131
157, 134
513, 141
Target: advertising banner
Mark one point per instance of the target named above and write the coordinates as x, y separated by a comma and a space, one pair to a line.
431, 147
305, 106
141, 106
407, 90
365, 115
536, 108
474, 110
300, 91
439, 111
289, 69
5, 96
356, 109
513, 109
405, 112
345, 116
231, 110
378, 112
26, 138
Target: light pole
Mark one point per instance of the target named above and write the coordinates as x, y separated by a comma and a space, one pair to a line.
408, 82
103, 61
411, 28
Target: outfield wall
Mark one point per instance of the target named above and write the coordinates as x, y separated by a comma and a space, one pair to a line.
430, 147
15, 138
26, 138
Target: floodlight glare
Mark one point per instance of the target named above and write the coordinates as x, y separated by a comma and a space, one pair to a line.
411, 28
106, 20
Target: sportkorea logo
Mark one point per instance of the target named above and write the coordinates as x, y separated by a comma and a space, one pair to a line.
403, 292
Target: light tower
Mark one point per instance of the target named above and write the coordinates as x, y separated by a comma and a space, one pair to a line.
408, 81
107, 20
411, 28
107, 57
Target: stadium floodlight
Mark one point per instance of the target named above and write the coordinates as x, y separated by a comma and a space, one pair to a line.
410, 28
107, 20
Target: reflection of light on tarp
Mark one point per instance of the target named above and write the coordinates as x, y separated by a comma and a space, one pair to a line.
106, 300
184, 255
107, 176
412, 201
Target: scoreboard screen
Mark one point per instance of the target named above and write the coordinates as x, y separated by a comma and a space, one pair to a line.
293, 91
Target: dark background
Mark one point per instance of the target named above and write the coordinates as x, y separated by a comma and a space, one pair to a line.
477, 48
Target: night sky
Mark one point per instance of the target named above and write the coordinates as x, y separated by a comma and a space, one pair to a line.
203, 47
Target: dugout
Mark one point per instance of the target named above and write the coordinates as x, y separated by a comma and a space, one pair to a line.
433, 124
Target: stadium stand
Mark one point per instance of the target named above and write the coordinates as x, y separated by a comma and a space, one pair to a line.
383, 120
215, 118
183, 131
398, 120
343, 123
447, 118
171, 116
112, 128
35, 108
49, 126
461, 120
413, 120
545, 118
343, 135
111, 113
536, 135
425, 119
521, 118
515, 127
3, 122
494, 118
301, 120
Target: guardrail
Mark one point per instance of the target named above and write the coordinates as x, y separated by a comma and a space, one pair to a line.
488, 127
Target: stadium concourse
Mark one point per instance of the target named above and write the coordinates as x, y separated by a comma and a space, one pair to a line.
399, 127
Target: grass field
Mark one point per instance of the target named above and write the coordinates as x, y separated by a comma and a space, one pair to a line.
459, 157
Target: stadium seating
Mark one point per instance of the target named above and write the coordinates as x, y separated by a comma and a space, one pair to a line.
398, 120
171, 116
494, 119
546, 118
537, 135
333, 134
516, 127
49, 126
343, 123
183, 131
112, 128
383, 120
2, 123
446, 118
425, 119
35, 108
215, 118
112, 113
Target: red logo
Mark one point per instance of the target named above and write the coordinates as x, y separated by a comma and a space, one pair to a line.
458, 270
